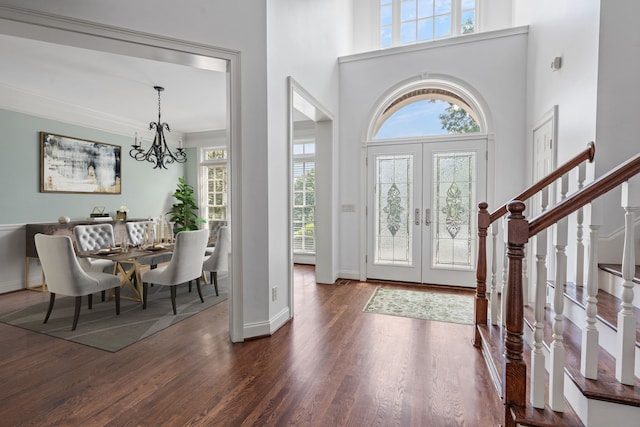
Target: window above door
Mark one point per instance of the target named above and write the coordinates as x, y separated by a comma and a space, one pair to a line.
403, 22
423, 112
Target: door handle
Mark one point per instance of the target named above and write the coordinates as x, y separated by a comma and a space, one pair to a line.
427, 217
416, 217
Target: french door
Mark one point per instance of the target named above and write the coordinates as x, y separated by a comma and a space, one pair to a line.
421, 215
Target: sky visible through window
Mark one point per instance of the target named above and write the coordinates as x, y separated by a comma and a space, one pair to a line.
416, 119
424, 20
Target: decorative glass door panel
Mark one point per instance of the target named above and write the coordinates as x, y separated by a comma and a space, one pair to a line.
394, 204
394, 247
422, 211
454, 207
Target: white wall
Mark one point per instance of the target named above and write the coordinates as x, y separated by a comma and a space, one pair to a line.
493, 65
618, 100
304, 38
495, 15
618, 71
568, 29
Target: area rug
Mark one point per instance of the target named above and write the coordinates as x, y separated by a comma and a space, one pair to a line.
443, 307
101, 328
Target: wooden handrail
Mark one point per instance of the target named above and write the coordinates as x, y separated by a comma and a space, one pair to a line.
595, 189
485, 219
587, 154
520, 231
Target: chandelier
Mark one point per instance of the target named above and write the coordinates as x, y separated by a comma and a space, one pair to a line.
159, 152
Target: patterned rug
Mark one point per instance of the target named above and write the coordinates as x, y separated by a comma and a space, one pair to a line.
101, 328
443, 307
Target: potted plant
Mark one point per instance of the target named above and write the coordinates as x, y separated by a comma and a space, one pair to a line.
184, 212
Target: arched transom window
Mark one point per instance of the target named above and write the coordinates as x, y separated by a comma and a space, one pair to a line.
424, 112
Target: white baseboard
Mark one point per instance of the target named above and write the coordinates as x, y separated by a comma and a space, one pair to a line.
267, 328
277, 321
352, 275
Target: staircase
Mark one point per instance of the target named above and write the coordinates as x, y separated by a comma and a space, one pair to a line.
564, 355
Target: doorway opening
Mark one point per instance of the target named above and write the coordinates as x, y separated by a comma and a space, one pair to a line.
426, 161
311, 192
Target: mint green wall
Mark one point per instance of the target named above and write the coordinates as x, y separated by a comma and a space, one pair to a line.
145, 191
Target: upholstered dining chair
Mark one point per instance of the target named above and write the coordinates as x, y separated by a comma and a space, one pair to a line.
185, 265
65, 276
219, 259
135, 232
92, 237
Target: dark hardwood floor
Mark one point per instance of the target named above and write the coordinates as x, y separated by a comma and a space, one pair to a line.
333, 365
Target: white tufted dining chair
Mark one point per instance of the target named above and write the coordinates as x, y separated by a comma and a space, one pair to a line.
185, 265
93, 237
65, 276
219, 259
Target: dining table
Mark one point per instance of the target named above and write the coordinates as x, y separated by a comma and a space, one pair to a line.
126, 263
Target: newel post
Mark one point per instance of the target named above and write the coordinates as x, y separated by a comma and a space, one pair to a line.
481, 271
515, 370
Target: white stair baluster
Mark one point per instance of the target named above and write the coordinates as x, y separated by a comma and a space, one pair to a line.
582, 171
590, 334
625, 357
557, 355
505, 274
538, 371
494, 302
525, 276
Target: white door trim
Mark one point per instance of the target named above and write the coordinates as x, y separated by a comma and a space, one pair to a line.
51, 28
477, 143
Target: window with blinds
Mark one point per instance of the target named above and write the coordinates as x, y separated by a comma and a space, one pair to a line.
304, 197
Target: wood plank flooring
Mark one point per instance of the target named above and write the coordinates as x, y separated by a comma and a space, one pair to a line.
332, 365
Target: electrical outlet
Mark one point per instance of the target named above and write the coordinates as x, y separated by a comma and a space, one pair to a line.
274, 293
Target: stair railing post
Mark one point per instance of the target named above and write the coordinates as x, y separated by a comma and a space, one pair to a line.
625, 357
481, 271
557, 354
538, 370
590, 334
514, 378
494, 300
582, 171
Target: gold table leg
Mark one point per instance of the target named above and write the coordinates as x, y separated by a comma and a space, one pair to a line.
127, 276
42, 287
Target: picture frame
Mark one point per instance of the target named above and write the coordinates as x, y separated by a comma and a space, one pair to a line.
75, 165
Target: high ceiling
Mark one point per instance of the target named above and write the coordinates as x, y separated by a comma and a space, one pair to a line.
108, 91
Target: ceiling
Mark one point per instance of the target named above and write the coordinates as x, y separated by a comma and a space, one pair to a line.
108, 91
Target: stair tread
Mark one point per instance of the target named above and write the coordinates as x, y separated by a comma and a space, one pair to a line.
528, 415
608, 306
616, 269
606, 388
